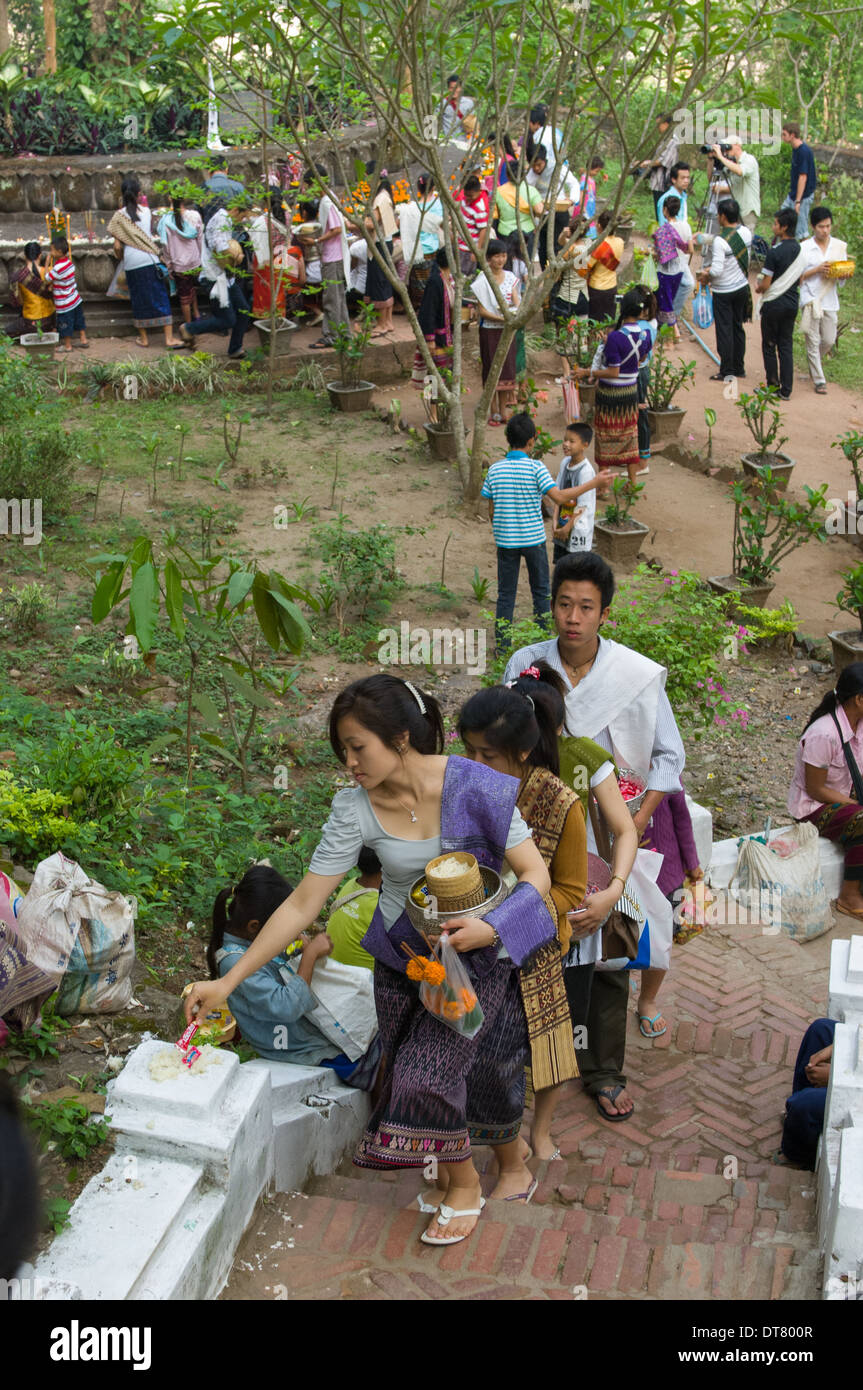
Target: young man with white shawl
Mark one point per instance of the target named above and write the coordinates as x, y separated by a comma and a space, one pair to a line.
616, 697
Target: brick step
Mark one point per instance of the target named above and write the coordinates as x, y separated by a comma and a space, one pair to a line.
326, 1245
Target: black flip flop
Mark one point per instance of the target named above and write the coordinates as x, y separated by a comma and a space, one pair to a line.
611, 1093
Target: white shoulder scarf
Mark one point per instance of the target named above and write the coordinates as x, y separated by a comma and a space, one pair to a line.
623, 698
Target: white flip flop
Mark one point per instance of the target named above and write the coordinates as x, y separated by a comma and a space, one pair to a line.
445, 1216
425, 1206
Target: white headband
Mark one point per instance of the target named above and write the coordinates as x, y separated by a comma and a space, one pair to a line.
419, 699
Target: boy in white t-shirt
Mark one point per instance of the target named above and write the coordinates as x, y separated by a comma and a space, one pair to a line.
572, 528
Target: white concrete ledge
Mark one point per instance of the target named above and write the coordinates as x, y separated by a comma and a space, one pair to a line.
845, 996
193, 1156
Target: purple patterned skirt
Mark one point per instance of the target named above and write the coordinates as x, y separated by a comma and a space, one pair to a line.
441, 1090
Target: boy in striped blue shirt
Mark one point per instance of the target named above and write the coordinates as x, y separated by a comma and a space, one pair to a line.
515, 487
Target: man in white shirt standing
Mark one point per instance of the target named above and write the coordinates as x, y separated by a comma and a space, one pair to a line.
727, 275
552, 181
454, 109
819, 296
744, 179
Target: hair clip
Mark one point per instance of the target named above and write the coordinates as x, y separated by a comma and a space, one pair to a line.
530, 671
419, 699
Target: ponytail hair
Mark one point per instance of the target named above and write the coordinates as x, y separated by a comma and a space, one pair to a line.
849, 684
255, 898
177, 206
130, 188
389, 707
518, 718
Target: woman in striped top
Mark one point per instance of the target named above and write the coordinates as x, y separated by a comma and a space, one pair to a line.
615, 371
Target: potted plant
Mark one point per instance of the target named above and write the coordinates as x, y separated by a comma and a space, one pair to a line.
851, 444
848, 646
39, 344
577, 341
667, 377
350, 392
617, 536
761, 413
767, 527
283, 328
438, 426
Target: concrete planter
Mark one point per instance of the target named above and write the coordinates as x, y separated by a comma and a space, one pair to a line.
619, 544
441, 442
39, 344
665, 424
753, 595
284, 329
780, 466
624, 231
350, 398
847, 648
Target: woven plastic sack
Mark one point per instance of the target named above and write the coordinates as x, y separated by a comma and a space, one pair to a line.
454, 1000
785, 892
344, 1004
702, 308
82, 937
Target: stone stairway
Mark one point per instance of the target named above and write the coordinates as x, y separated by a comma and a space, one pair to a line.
681, 1201
606, 1225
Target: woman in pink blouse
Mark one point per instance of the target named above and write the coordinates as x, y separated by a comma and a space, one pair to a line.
823, 788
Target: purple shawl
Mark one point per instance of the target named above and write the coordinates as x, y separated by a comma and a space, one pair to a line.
476, 812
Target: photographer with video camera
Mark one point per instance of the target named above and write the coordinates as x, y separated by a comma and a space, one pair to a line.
744, 177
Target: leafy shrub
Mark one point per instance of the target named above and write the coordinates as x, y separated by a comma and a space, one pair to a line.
359, 572
29, 606
68, 1127
88, 768
35, 822
38, 462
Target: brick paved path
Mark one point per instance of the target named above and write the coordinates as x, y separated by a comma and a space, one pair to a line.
642, 1209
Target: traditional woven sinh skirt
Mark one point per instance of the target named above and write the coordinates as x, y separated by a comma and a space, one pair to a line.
440, 1090
442, 356
668, 287
843, 825
148, 292
489, 337
419, 274
615, 424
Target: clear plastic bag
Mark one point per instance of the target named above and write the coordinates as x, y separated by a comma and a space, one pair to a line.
452, 999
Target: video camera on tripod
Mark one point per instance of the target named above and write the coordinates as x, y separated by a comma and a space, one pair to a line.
724, 148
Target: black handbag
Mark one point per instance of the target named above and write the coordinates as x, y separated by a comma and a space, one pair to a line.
856, 779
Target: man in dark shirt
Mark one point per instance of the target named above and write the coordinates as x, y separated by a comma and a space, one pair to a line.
779, 312
803, 179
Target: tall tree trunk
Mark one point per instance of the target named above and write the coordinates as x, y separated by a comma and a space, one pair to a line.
5, 36
98, 18
50, 35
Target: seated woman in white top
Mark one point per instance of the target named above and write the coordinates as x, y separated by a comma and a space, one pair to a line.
823, 787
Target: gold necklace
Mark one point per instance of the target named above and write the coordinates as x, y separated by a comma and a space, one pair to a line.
407, 808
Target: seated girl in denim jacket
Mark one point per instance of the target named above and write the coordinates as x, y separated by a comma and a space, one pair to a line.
272, 1005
